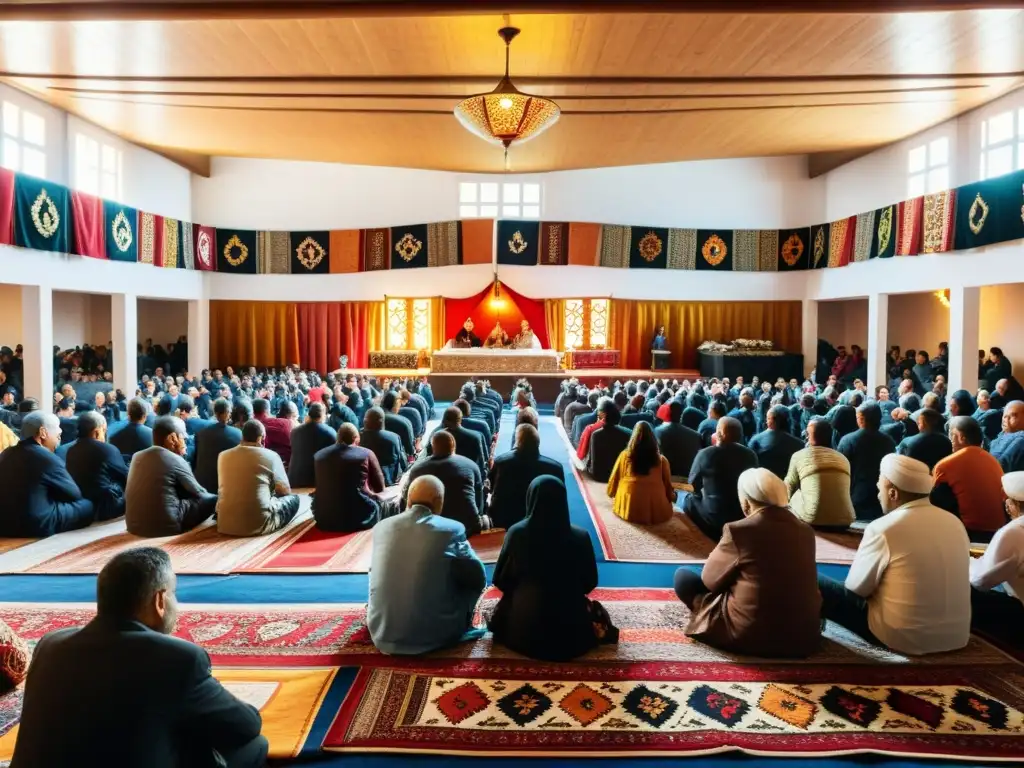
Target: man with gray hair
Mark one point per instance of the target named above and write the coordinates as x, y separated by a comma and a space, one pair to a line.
98, 467
40, 497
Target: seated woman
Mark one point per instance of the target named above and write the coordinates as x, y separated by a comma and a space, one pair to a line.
641, 481
758, 592
545, 572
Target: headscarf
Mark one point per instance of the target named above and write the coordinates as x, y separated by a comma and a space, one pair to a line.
547, 519
906, 474
762, 488
964, 402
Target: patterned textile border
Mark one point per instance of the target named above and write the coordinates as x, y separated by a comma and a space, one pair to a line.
533, 709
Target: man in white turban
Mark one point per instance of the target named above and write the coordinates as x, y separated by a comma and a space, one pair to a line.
908, 587
1002, 612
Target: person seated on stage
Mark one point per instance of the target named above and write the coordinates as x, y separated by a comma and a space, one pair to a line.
154, 700
775, 446
578, 407
709, 427
468, 443
641, 480
818, 481
605, 441
98, 467
713, 476
40, 497
757, 593
278, 430
744, 414
497, 338
678, 443
254, 497
908, 588
969, 483
163, 497
526, 338
1008, 448
462, 479
930, 444
425, 578
211, 442
991, 419
386, 446
465, 338
585, 418
865, 449
545, 571
307, 439
398, 425
349, 481
477, 425
1001, 612
512, 473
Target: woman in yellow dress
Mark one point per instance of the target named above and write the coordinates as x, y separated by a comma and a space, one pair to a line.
641, 481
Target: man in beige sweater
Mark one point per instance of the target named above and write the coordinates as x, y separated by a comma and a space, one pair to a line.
819, 481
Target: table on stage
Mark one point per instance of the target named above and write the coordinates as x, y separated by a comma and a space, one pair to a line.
592, 358
480, 360
765, 367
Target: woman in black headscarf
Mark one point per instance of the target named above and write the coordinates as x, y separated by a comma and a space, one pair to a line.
961, 403
545, 572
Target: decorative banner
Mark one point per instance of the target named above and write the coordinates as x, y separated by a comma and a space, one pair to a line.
346, 250
840, 243
615, 242
518, 242
714, 249
818, 246
41, 213
444, 244
87, 231
768, 250
275, 253
120, 231
147, 238
188, 246
309, 253
939, 216
908, 242
682, 249
477, 241
237, 251
376, 249
205, 239
409, 246
989, 212
745, 246
554, 243
6, 207
883, 234
169, 251
648, 248
794, 250
863, 236
584, 244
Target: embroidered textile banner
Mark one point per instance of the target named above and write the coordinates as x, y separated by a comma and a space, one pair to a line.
376, 249
840, 241
237, 251
584, 244
518, 242
477, 241
714, 249
188, 246
409, 246
863, 235
939, 211
884, 233
274, 253
615, 242
41, 215
745, 247
120, 231
205, 239
794, 252
6, 207
682, 249
147, 238
346, 250
648, 248
989, 212
309, 253
908, 242
768, 249
819, 245
169, 251
554, 243
87, 233
444, 244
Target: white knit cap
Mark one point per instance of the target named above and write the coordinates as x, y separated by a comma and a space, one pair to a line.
907, 474
762, 488
1013, 484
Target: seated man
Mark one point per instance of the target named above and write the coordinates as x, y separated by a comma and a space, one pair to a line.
467, 442
153, 702
908, 587
992, 611
512, 473
163, 497
776, 445
865, 449
411, 413
187, 411
970, 482
709, 427
68, 421
307, 440
585, 419
744, 414
341, 412
39, 496
348, 479
396, 424
818, 481
425, 579
578, 407
527, 415
463, 483
98, 468
279, 431
211, 442
254, 497
386, 446
678, 443
482, 409
991, 419
715, 472
1008, 448
477, 425
930, 445
605, 442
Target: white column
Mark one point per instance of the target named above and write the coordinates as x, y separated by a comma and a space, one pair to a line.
37, 333
198, 336
964, 330
809, 330
878, 333
124, 332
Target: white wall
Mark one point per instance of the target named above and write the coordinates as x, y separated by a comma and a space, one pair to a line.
10, 315
844, 323
162, 321
1000, 322
80, 318
917, 321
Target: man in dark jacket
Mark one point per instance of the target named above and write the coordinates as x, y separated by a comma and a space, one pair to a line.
744, 414
865, 450
463, 483
307, 440
153, 702
134, 436
776, 445
512, 473
39, 496
930, 445
481, 409
709, 427
576, 408
678, 443
477, 425
98, 467
385, 445
714, 477
211, 442
399, 425
606, 443
468, 443
348, 479
585, 419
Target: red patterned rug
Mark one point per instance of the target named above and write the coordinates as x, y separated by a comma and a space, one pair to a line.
533, 709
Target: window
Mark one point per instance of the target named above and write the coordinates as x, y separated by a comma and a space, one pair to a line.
1002, 144
928, 166
408, 323
97, 167
24, 140
489, 199
586, 323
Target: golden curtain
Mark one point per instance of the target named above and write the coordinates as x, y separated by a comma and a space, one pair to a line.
260, 333
378, 324
554, 316
689, 323
437, 333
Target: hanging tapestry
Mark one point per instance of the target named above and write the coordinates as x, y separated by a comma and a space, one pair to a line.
6, 207
169, 253
939, 216
87, 233
376, 249
648, 248
205, 239
147, 238
840, 242
274, 253
884, 232
714, 249
41, 215
120, 230
863, 235
308, 253
908, 215
682, 249
444, 244
188, 246
518, 242
768, 250
584, 244
237, 251
615, 241
794, 250
819, 245
745, 250
409, 246
478, 241
990, 212
345, 250
554, 243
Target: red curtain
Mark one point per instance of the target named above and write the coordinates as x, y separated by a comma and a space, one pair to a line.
328, 330
511, 309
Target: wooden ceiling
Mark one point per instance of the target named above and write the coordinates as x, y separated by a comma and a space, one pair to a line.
372, 83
